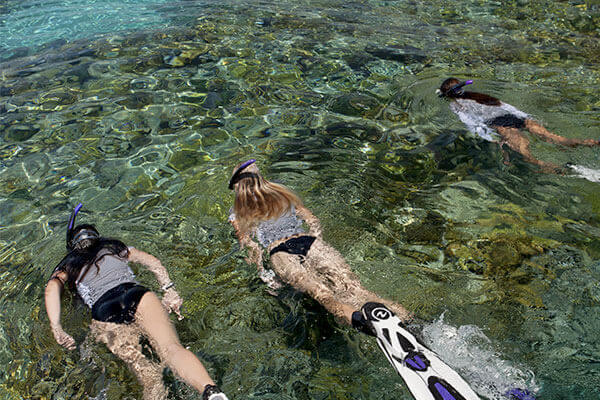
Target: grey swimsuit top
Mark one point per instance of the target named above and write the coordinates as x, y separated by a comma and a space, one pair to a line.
269, 231
113, 271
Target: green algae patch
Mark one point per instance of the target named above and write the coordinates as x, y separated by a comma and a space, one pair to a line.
505, 240
497, 254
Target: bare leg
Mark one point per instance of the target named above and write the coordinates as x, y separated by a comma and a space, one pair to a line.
537, 129
156, 325
331, 266
326, 276
289, 269
516, 140
124, 341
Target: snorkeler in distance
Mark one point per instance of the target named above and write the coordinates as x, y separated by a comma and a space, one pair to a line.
122, 310
499, 122
273, 215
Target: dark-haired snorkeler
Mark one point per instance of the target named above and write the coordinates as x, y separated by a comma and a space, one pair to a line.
122, 310
496, 121
273, 215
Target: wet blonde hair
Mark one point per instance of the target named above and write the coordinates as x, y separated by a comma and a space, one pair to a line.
257, 199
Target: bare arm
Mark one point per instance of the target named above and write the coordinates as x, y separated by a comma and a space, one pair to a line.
152, 263
254, 250
52, 297
171, 299
255, 254
313, 222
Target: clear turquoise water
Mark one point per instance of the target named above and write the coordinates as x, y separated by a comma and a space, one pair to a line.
31, 24
144, 110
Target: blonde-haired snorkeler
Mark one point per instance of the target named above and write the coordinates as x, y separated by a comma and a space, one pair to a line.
273, 215
122, 310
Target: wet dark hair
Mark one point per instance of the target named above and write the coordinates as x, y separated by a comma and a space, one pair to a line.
446, 91
84, 254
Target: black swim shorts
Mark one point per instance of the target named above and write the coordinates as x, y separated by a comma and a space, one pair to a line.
507, 121
297, 245
119, 304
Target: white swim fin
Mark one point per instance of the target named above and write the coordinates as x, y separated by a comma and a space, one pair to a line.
592, 175
426, 376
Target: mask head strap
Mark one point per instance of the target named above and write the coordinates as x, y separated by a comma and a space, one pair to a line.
237, 175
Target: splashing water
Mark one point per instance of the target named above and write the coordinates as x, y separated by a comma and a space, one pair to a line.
470, 351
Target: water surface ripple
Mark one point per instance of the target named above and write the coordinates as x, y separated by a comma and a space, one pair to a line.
140, 109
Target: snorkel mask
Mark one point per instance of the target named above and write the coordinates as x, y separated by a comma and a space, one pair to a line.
237, 175
86, 233
455, 90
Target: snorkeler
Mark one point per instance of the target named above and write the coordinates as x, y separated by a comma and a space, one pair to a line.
122, 310
273, 215
499, 122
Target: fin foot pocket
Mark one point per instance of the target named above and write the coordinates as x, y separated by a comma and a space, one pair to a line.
212, 392
361, 324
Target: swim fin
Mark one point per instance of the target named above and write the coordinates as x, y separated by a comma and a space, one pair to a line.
212, 392
519, 394
426, 376
592, 175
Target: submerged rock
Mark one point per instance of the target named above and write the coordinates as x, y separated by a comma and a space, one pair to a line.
355, 104
358, 61
18, 53
369, 132
186, 57
55, 44
21, 132
498, 254
426, 230
6, 91
212, 100
80, 72
184, 159
137, 100
402, 54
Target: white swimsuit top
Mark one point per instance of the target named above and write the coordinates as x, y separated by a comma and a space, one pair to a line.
476, 116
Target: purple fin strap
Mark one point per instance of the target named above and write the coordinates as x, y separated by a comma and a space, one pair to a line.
520, 394
446, 395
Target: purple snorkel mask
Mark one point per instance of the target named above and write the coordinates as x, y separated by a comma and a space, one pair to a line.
237, 174
83, 234
457, 89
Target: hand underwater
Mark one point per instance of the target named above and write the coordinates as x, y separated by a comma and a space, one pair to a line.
172, 302
271, 279
254, 257
63, 338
